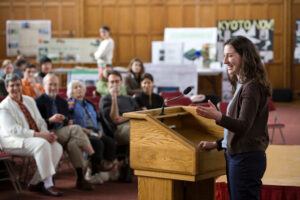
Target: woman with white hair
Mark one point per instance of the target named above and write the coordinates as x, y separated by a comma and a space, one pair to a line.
84, 113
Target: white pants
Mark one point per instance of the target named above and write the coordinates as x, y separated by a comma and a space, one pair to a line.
46, 155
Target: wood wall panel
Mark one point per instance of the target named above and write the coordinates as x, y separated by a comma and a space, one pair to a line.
207, 16
135, 23
125, 20
189, 13
157, 19
140, 50
91, 26
142, 19
174, 16
125, 50
109, 18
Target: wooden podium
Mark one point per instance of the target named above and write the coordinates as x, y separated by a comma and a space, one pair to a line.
164, 156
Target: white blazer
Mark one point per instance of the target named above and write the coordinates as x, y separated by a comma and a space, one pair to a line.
13, 124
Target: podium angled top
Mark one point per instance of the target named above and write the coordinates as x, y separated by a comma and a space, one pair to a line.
168, 143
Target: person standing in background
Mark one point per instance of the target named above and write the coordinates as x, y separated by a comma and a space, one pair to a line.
105, 51
246, 132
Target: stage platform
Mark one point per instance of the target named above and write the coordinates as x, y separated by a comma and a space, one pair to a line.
282, 177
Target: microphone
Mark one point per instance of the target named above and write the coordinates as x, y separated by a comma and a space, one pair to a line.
185, 92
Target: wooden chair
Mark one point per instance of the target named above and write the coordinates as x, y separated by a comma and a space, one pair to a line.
275, 124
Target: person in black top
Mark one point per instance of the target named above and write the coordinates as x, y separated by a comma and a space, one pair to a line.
147, 99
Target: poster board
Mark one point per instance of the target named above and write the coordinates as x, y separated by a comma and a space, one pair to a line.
24, 36
69, 50
297, 43
193, 39
260, 32
174, 76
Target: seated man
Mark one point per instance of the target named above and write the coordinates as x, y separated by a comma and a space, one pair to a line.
113, 105
29, 85
23, 132
54, 110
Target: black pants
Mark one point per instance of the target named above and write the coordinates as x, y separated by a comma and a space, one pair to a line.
244, 174
104, 147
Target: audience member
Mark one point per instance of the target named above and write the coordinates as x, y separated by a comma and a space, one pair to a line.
84, 114
147, 99
46, 67
133, 78
101, 85
3, 92
20, 65
7, 68
113, 105
55, 111
29, 85
23, 132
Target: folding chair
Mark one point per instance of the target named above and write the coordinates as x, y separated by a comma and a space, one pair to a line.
275, 124
12, 176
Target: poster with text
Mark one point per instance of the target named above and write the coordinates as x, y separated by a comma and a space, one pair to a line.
260, 32
24, 36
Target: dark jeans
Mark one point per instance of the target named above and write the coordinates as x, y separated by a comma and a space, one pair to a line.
244, 174
105, 148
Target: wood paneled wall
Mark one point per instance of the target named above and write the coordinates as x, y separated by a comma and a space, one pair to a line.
135, 23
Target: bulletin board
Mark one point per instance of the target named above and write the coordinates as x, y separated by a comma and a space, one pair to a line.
24, 36
69, 50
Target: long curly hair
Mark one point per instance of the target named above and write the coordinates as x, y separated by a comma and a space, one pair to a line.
251, 67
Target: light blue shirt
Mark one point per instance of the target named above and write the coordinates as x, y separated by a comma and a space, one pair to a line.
224, 141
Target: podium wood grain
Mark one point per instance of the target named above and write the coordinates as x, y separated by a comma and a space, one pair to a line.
163, 154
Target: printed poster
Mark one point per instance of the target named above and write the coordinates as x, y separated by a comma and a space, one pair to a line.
260, 32
24, 36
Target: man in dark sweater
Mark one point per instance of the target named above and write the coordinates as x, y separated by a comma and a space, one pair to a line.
112, 107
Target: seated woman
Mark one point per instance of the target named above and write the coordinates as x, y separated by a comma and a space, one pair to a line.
84, 113
133, 78
147, 99
101, 85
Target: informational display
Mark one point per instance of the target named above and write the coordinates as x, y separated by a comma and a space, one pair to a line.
194, 40
184, 46
88, 76
174, 76
297, 43
24, 36
69, 50
260, 32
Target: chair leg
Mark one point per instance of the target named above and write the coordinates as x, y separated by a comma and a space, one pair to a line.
13, 177
282, 137
272, 137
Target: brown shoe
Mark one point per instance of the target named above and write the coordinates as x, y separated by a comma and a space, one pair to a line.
51, 192
84, 185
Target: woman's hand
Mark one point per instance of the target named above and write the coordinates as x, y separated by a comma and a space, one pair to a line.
210, 111
206, 145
